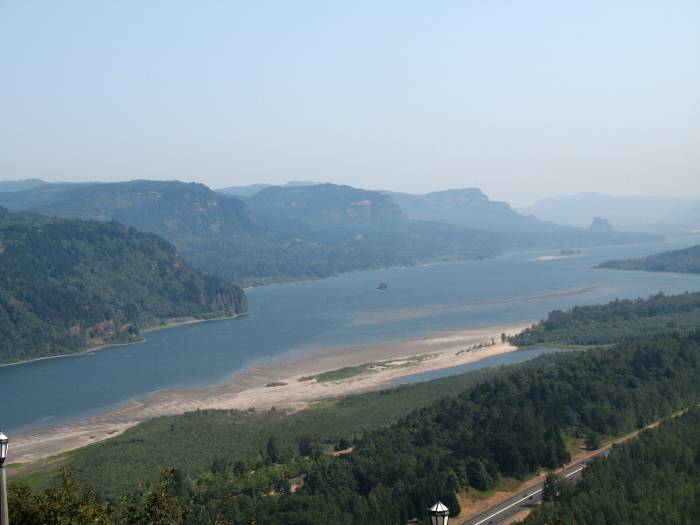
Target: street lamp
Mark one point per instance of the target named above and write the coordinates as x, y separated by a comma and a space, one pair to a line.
439, 514
3, 447
4, 515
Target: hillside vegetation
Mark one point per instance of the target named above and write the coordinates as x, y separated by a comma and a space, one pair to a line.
616, 321
649, 480
511, 424
66, 285
680, 261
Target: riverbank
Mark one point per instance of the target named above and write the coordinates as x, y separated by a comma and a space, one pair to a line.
283, 384
97, 348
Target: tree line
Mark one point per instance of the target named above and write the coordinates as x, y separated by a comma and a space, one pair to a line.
616, 321
686, 260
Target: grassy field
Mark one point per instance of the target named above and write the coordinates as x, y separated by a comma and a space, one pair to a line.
366, 368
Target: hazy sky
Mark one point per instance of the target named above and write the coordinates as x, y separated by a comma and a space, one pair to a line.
523, 99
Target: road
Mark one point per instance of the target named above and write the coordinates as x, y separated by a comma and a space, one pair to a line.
526, 498
532, 496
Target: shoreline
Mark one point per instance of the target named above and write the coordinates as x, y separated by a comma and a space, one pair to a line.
248, 388
100, 347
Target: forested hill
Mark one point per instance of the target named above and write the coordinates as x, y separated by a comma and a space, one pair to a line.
616, 321
66, 285
650, 480
681, 261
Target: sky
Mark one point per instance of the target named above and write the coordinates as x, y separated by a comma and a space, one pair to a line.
523, 99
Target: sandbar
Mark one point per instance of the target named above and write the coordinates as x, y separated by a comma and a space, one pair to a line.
249, 388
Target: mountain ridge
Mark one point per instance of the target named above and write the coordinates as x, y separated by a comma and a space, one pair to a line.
298, 231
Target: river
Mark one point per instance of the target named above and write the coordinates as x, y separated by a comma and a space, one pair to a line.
293, 318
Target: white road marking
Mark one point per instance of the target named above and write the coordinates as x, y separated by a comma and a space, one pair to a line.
527, 496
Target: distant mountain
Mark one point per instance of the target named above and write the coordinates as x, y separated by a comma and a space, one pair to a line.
469, 208
292, 232
580, 209
66, 285
252, 189
20, 185
285, 232
173, 209
681, 261
472, 209
325, 205
243, 191
361, 226
601, 225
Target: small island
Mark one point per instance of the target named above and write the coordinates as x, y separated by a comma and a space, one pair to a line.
570, 251
382, 286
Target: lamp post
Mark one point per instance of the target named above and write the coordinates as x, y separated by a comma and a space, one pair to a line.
439, 514
4, 513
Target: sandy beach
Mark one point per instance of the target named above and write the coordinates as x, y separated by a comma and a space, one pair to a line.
386, 362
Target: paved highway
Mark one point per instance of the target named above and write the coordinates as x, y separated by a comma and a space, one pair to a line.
526, 498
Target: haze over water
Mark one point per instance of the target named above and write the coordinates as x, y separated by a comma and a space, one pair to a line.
294, 318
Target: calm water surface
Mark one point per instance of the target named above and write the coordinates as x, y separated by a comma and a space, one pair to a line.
293, 318
512, 358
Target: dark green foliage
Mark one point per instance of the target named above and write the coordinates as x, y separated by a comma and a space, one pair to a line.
650, 480
66, 285
510, 424
616, 321
552, 486
68, 504
592, 441
683, 261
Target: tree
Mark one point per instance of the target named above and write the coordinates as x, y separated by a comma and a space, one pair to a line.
550, 491
310, 447
63, 504
592, 440
273, 450
158, 505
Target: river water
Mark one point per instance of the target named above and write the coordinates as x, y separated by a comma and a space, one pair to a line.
293, 318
